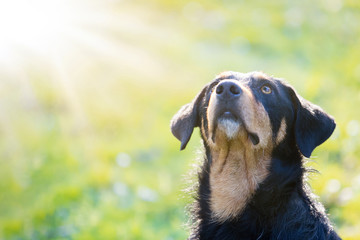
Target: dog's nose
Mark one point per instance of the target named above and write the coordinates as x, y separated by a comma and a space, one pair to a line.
228, 89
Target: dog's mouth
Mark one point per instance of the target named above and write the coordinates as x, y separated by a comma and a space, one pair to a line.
231, 123
254, 138
229, 116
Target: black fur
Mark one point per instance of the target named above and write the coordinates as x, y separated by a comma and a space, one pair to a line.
283, 206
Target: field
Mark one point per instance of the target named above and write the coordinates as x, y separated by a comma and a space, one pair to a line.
85, 146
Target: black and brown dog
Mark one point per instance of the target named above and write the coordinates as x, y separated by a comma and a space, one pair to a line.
256, 131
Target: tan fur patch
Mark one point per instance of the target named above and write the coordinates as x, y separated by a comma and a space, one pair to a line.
211, 114
255, 117
282, 131
235, 174
238, 166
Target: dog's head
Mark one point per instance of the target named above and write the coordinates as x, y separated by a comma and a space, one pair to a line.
255, 110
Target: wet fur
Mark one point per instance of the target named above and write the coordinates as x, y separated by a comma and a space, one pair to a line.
256, 191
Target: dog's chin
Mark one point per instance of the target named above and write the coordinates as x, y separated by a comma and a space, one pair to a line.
230, 127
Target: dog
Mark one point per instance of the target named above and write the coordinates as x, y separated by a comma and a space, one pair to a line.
256, 131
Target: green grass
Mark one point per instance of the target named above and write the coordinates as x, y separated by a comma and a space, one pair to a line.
86, 151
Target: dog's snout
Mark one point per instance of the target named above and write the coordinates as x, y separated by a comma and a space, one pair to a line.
228, 89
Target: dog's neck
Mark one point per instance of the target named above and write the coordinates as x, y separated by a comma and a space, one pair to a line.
235, 174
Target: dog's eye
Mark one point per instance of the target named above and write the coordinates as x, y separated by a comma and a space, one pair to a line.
266, 89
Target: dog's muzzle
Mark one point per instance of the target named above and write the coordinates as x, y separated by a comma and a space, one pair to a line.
228, 114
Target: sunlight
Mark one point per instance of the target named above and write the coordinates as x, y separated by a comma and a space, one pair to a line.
33, 25
44, 28
73, 31
48, 38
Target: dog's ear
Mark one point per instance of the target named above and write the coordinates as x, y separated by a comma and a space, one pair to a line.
186, 119
312, 125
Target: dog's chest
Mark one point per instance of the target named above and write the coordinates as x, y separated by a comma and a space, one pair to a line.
234, 178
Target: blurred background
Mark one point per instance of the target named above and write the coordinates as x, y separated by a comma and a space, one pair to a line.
88, 87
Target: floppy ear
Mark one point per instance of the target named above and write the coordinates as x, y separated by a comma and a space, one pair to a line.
186, 119
312, 125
